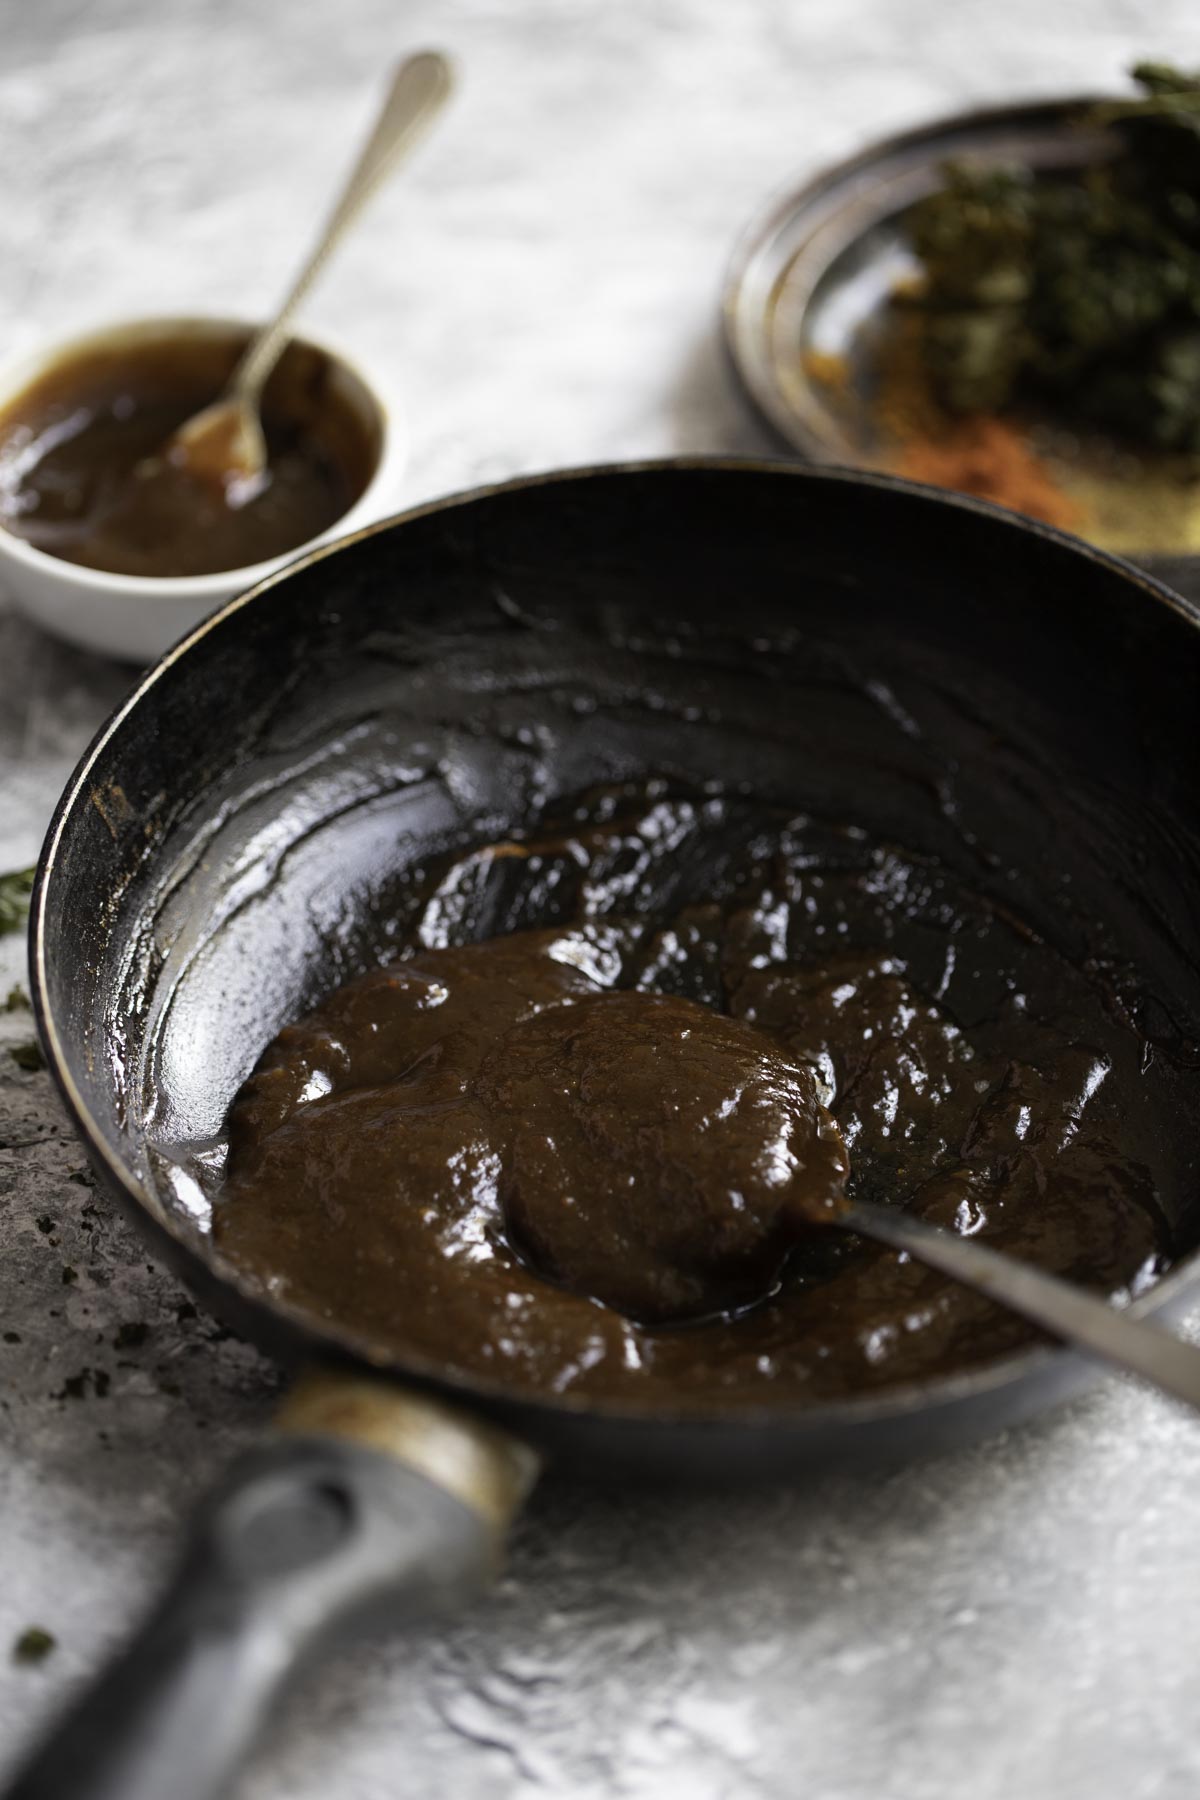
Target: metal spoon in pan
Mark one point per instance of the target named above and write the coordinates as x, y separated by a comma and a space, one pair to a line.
1069, 1313
651, 1179
673, 1207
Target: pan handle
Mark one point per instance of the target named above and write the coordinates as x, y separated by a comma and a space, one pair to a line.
372, 1504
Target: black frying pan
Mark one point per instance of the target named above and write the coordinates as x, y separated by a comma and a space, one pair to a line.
232, 844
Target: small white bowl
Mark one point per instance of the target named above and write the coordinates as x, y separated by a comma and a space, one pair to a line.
137, 617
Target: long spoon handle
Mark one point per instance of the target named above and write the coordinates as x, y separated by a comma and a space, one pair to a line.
419, 90
1070, 1314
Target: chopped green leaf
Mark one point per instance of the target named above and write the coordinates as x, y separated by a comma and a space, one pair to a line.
1080, 290
15, 890
34, 1645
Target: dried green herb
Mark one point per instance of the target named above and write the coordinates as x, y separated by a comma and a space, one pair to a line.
34, 1645
28, 1056
1081, 291
15, 890
17, 1001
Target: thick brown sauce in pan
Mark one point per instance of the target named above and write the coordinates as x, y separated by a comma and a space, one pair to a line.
457, 1153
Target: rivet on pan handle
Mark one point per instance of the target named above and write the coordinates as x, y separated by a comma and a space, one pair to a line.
369, 1504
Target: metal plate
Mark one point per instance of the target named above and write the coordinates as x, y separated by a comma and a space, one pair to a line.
814, 273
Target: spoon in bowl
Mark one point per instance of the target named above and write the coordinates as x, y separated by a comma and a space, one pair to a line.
223, 445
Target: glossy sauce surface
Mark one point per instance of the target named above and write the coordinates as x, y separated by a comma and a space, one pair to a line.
72, 445
399, 1159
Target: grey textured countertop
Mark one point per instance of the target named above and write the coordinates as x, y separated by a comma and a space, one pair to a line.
1022, 1619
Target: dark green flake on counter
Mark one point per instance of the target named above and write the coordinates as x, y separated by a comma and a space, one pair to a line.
28, 1056
34, 1645
76, 1387
15, 889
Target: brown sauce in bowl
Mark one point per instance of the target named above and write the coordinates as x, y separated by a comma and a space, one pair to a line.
400, 1160
73, 442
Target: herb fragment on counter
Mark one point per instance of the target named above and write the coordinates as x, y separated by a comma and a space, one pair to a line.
34, 1645
131, 1335
75, 1387
1083, 293
28, 1057
15, 889
17, 1001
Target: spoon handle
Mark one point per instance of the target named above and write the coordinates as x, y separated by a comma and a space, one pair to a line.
420, 87
1069, 1313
